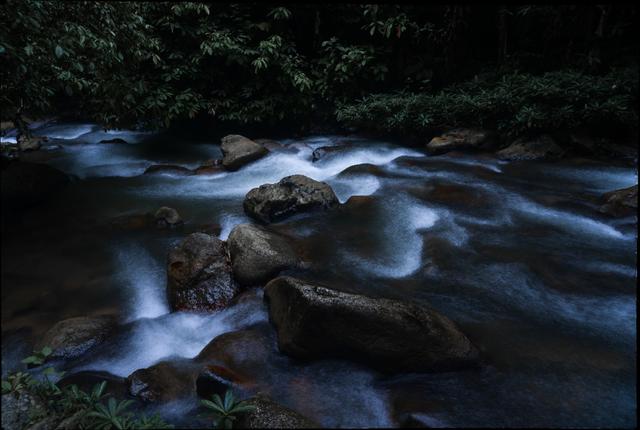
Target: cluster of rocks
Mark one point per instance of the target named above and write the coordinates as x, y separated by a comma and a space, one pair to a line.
531, 147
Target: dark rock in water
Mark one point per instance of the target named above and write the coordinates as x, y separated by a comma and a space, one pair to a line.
32, 143
238, 150
620, 202
132, 222
539, 148
214, 379
258, 255
270, 144
167, 217
199, 274
208, 170
163, 382
321, 152
271, 415
246, 352
461, 138
317, 322
87, 380
116, 140
18, 410
293, 194
363, 169
73, 337
168, 168
27, 184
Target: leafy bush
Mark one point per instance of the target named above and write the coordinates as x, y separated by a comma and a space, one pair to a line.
513, 104
86, 409
227, 411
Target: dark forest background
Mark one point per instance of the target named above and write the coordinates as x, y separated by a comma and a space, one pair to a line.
406, 70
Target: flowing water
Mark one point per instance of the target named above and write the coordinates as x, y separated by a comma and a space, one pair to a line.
515, 253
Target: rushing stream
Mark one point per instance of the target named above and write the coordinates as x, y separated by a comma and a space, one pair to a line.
515, 253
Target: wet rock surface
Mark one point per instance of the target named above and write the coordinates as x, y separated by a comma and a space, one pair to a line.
536, 148
163, 382
168, 168
199, 274
73, 337
460, 139
258, 255
620, 202
293, 194
167, 217
315, 322
238, 150
269, 414
17, 411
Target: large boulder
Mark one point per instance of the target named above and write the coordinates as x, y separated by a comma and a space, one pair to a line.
238, 150
115, 140
313, 321
163, 382
199, 274
73, 337
258, 255
167, 217
321, 152
26, 184
538, 148
293, 194
268, 414
620, 202
461, 138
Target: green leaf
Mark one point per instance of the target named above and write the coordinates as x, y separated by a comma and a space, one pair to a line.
46, 351
59, 51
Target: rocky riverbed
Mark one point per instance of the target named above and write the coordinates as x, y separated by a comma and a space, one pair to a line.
338, 281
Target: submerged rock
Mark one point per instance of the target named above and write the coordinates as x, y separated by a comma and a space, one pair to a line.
163, 382
167, 168
461, 138
132, 222
214, 379
258, 255
26, 184
167, 217
238, 150
293, 194
32, 143
73, 337
199, 274
323, 151
270, 144
269, 414
246, 352
208, 170
541, 147
115, 140
620, 202
313, 322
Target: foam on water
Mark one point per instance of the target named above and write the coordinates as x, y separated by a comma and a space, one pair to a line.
178, 334
144, 279
360, 185
402, 253
568, 221
67, 132
612, 316
276, 166
228, 222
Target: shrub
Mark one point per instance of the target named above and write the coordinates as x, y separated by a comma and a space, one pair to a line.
513, 104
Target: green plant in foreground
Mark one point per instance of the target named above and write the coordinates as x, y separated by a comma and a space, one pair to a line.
16, 383
86, 410
226, 412
39, 357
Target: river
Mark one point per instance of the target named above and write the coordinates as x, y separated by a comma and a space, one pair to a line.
514, 252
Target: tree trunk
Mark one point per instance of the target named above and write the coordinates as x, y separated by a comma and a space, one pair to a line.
503, 13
